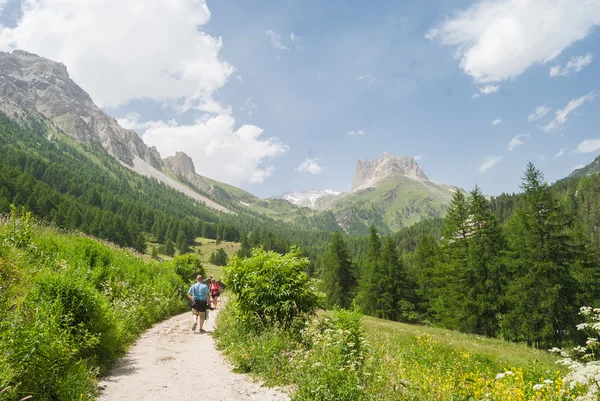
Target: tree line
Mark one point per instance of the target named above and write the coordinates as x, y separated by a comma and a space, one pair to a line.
522, 277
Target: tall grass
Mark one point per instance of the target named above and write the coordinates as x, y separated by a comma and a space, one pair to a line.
334, 358
69, 305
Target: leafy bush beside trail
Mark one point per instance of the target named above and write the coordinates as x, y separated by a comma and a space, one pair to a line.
70, 304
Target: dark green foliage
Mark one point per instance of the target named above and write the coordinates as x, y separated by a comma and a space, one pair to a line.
338, 273
543, 290
219, 258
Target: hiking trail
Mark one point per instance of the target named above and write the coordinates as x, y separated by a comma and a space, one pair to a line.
169, 362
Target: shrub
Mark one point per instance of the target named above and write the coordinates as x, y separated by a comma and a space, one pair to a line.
271, 286
188, 266
219, 258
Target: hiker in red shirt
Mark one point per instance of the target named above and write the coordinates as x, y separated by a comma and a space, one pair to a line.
214, 292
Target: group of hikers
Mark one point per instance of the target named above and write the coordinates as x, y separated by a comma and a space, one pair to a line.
204, 297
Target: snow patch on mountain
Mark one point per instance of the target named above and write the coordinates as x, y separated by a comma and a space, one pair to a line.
308, 198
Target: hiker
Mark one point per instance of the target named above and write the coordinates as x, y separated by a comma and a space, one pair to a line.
214, 292
200, 297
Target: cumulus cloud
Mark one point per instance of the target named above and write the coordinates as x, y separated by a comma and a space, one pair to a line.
489, 162
560, 153
497, 121
561, 115
539, 112
576, 64
418, 157
516, 141
275, 39
475, 95
310, 166
219, 150
498, 40
489, 89
356, 133
589, 146
119, 51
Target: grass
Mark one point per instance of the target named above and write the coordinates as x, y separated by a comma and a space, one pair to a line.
69, 305
502, 352
206, 246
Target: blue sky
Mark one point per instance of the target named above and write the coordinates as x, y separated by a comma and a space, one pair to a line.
253, 90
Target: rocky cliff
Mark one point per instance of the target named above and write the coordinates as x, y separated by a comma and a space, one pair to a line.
369, 173
30, 84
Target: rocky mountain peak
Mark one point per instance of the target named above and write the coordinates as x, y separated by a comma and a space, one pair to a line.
30, 85
368, 173
181, 164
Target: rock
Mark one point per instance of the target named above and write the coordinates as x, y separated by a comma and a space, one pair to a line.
369, 173
35, 88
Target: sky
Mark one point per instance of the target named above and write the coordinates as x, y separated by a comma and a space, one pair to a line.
279, 95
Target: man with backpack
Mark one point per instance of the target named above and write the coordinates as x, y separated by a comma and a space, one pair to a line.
200, 297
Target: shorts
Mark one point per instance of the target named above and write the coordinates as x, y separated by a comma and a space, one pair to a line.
201, 314
199, 306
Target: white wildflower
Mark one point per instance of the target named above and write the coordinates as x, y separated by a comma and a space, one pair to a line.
582, 326
585, 310
579, 349
509, 373
556, 350
538, 387
548, 381
591, 340
500, 376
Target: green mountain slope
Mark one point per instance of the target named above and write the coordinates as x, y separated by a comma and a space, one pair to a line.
395, 202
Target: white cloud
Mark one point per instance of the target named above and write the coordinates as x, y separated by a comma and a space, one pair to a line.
275, 39
516, 141
560, 153
539, 112
489, 162
576, 64
562, 114
489, 89
498, 40
578, 166
589, 145
296, 41
2, 4
310, 166
123, 50
356, 133
497, 121
236, 156
432, 34
367, 80
475, 95
249, 107
418, 157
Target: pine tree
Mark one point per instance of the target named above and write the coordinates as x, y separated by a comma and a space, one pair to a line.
368, 286
395, 294
543, 291
182, 243
452, 295
487, 277
338, 275
169, 248
428, 280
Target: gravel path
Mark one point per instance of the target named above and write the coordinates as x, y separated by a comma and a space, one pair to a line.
169, 362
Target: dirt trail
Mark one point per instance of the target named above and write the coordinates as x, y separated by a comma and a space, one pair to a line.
169, 362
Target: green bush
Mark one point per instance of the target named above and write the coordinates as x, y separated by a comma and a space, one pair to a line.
219, 258
273, 287
188, 266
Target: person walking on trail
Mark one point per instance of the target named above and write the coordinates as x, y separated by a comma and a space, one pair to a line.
199, 294
214, 292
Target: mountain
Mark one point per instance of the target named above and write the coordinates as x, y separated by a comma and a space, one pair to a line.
368, 173
33, 88
309, 197
391, 192
592, 168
